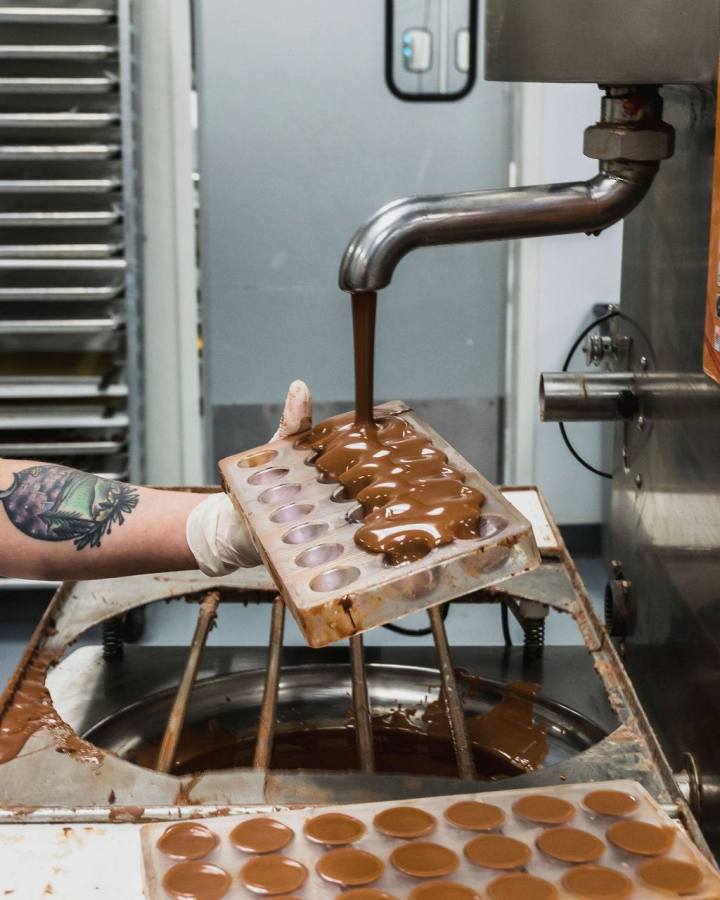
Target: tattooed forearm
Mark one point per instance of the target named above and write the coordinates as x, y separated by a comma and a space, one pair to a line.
52, 503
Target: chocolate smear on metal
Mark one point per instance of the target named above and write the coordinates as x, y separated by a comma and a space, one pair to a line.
31, 709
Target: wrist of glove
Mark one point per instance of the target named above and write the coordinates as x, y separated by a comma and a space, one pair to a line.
216, 533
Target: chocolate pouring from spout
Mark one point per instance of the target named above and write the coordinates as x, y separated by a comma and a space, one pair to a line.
334, 588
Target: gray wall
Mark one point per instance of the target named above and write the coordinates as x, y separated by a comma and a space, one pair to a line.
299, 141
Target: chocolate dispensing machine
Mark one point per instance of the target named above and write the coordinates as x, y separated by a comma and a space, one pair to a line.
106, 711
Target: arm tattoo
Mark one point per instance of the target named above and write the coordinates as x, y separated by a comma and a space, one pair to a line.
52, 503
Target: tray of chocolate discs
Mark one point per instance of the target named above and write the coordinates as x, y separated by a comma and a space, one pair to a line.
602, 841
359, 528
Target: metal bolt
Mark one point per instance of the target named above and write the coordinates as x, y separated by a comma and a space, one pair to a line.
644, 363
638, 480
640, 423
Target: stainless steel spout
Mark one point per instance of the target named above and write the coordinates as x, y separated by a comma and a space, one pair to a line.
403, 225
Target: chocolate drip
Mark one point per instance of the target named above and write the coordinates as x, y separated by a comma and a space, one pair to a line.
364, 305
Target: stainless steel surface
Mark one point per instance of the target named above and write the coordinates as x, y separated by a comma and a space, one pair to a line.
268, 709
602, 41
362, 713
207, 613
404, 225
665, 508
451, 695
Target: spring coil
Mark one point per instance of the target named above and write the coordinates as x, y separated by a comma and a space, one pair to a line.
112, 638
534, 638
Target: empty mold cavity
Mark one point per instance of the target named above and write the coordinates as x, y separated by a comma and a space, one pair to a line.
253, 460
489, 526
291, 513
309, 531
319, 555
281, 493
334, 579
267, 476
340, 495
310, 460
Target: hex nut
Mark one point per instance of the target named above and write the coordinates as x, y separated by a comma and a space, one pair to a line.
609, 142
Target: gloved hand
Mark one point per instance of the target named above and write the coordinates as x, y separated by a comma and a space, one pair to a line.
216, 533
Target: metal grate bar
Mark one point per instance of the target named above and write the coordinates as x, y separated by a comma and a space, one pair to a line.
456, 717
268, 712
55, 152
206, 618
361, 706
59, 185
79, 252
59, 218
54, 15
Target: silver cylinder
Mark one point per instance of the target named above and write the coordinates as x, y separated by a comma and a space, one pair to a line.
583, 396
394, 230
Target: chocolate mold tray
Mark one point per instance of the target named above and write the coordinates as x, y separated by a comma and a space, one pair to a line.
304, 531
400, 885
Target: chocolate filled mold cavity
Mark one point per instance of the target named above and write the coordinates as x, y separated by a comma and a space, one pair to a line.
187, 840
597, 883
334, 829
521, 886
335, 579
572, 845
544, 809
405, 822
196, 880
261, 835
614, 804
423, 859
319, 555
350, 867
443, 890
468, 536
273, 875
281, 493
268, 476
291, 512
497, 851
309, 531
641, 838
671, 876
261, 458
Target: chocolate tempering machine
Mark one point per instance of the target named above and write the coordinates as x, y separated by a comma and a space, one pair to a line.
83, 769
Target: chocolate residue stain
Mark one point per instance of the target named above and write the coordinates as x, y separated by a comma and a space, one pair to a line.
31, 709
507, 730
126, 814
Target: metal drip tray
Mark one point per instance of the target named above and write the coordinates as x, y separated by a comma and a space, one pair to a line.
314, 724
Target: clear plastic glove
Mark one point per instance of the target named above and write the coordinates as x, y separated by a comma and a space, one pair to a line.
216, 533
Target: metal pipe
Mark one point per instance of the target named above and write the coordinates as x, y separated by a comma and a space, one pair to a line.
176, 719
582, 206
453, 703
361, 705
266, 728
584, 396
603, 396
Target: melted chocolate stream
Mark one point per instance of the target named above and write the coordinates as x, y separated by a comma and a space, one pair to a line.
412, 499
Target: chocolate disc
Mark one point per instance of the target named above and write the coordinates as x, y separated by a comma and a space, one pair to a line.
544, 809
187, 840
474, 816
348, 867
611, 803
443, 890
405, 822
261, 836
334, 829
571, 845
272, 875
193, 880
367, 894
520, 886
641, 838
597, 883
495, 851
421, 859
671, 875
